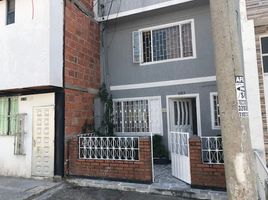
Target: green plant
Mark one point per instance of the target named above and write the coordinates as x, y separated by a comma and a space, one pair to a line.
158, 147
107, 125
87, 128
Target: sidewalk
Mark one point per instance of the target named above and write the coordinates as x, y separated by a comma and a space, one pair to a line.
164, 184
12, 188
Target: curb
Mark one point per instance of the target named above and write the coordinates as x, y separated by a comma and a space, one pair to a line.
150, 189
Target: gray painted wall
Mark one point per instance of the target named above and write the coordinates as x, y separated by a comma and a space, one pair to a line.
119, 51
203, 89
121, 70
125, 5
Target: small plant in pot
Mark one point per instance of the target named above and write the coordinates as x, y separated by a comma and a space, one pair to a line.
160, 152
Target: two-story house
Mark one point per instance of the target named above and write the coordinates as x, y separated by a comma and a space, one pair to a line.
258, 11
49, 74
158, 61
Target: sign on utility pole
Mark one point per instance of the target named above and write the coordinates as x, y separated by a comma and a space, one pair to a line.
238, 154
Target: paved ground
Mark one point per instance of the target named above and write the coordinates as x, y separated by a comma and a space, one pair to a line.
20, 188
70, 192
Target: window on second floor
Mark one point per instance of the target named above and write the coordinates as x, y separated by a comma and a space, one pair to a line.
215, 111
10, 12
264, 53
166, 42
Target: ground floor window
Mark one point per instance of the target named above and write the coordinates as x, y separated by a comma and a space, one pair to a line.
138, 115
215, 111
8, 113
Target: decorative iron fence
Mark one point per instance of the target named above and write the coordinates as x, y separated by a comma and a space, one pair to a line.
262, 176
212, 150
109, 148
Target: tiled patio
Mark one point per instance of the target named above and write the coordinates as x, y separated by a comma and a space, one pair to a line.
164, 180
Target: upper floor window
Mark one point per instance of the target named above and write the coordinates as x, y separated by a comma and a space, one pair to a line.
138, 115
164, 43
10, 11
264, 53
215, 111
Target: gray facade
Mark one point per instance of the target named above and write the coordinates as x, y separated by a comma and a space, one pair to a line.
120, 69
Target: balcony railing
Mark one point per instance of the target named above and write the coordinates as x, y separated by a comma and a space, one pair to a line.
109, 148
212, 150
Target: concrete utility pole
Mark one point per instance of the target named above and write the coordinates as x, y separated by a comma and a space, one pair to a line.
238, 154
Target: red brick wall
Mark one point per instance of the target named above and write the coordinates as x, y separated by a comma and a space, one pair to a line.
82, 66
136, 171
204, 175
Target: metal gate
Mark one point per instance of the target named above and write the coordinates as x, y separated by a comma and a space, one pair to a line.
180, 159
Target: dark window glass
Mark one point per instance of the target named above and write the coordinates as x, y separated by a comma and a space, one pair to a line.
265, 64
264, 44
10, 11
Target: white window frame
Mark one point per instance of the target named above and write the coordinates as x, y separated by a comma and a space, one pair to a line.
150, 126
263, 54
167, 26
212, 113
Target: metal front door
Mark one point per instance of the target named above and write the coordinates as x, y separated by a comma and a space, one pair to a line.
43, 141
181, 115
180, 160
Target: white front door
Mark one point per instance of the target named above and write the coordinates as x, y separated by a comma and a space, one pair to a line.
181, 115
43, 141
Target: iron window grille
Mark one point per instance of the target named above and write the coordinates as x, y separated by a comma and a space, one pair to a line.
131, 116
109, 148
264, 53
212, 150
165, 42
215, 111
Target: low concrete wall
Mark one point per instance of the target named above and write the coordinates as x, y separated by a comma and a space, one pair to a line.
133, 171
204, 175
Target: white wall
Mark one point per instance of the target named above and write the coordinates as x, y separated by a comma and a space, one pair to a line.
252, 81
14, 165
32, 48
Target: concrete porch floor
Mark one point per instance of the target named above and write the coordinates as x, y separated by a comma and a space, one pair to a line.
164, 184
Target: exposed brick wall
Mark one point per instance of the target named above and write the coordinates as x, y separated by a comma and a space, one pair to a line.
204, 175
78, 108
136, 171
259, 31
82, 66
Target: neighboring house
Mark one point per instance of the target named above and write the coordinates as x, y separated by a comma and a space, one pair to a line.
258, 11
49, 74
158, 61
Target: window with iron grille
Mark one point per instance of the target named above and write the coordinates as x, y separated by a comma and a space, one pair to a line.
167, 42
138, 116
215, 111
10, 12
264, 53
8, 115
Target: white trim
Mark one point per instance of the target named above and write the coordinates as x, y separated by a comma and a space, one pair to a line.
212, 112
261, 54
167, 60
142, 9
198, 111
157, 27
136, 98
163, 83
